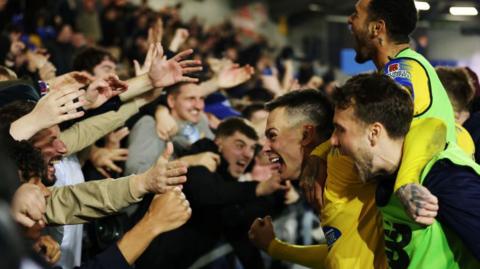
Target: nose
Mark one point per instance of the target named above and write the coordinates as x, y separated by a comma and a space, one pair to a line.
349, 20
199, 104
334, 140
60, 146
266, 146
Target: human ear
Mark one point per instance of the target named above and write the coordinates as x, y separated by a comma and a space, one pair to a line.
374, 132
170, 101
308, 134
376, 28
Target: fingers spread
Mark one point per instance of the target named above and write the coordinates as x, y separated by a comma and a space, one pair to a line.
182, 55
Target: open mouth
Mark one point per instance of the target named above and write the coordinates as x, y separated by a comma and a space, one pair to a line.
194, 112
51, 165
242, 163
276, 161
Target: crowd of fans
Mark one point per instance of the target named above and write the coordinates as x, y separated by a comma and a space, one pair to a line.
131, 138
117, 86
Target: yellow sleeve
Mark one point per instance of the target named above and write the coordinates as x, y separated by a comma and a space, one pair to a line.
426, 138
313, 256
465, 141
412, 75
322, 150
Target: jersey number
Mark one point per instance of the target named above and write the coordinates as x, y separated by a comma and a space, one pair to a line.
397, 238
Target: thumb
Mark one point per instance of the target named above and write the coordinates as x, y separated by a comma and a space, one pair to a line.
136, 65
159, 50
268, 220
167, 153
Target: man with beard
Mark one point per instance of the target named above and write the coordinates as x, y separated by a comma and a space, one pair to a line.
167, 211
222, 206
298, 122
381, 30
372, 117
98, 198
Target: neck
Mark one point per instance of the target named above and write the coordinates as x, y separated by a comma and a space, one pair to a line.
391, 155
386, 52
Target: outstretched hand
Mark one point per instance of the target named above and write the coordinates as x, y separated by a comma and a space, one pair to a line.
58, 106
164, 73
102, 89
103, 159
75, 80
147, 64
165, 175
233, 76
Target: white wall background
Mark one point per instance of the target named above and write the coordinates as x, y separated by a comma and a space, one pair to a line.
449, 44
208, 11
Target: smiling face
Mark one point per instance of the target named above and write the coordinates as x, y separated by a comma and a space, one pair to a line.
52, 148
188, 103
283, 144
238, 150
358, 22
351, 138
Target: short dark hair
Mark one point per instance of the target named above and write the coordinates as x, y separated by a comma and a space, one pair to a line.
458, 85
249, 110
174, 90
235, 124
313, 105
29, 161
400, 17
90, 57
377, 98
15, 110
259, 95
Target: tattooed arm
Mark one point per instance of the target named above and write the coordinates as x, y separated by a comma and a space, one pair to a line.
420, 204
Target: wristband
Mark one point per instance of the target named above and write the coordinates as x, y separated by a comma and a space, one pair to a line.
44, 87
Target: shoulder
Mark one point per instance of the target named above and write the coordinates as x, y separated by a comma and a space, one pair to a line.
145, 121
405, 69
145, 126
199, 172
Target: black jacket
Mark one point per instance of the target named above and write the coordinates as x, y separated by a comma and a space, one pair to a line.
222, 209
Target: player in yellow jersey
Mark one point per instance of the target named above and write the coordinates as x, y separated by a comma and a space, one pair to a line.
349, 217
380, 29
297, 123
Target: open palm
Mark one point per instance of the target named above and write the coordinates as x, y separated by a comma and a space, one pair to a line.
164, 73
234, 76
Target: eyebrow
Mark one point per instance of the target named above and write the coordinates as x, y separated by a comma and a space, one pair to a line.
336, 125
269, 130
